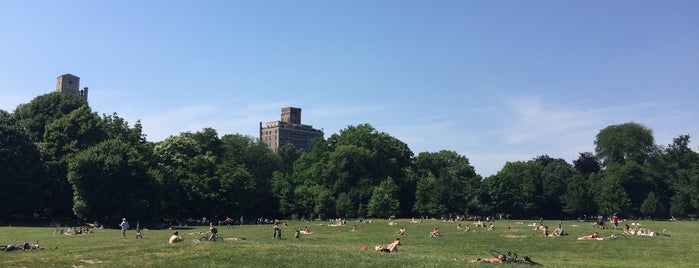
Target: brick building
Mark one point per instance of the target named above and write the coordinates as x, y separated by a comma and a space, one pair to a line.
289, 130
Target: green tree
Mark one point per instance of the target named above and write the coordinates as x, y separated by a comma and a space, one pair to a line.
65, 137
260, 162
679, 166
42, 110
111, 178
173, 155
384, 200
21, 170
625, 142
649, 207
447, 183
587, 164
577, 199
610, 196
555, 177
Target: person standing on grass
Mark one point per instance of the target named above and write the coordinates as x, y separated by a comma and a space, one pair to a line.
124, 226
277, 232
138, 230
615, 221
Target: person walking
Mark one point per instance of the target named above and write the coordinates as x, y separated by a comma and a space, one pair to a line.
138, 230
124, 226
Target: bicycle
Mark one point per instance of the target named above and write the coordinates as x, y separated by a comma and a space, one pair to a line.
10, 247
207, 237
512, 257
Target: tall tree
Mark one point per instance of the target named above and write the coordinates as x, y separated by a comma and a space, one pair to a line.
384, 199
111, 178
586, 164
42, 110
21, 170
679, 166
65, 137
625, 142
450, 178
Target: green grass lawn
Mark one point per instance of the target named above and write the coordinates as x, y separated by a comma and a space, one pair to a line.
340, 247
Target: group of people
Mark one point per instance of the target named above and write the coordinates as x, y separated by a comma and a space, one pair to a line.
556, 232
23, 247
72, 231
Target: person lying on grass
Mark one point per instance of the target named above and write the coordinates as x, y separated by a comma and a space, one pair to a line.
499, 259
594, 236
306, 231
393, 247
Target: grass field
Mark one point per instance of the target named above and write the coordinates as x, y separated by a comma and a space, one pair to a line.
340, 247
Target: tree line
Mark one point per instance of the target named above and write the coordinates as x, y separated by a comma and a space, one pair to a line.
58, 158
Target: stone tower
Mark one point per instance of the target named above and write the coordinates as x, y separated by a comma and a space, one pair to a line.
70, 84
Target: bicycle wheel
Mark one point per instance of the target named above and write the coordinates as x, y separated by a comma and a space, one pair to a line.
219, 239
496, 253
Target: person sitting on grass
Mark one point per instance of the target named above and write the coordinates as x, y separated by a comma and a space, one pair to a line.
559, 231
491, 227
393, 247
401, 231
435, 233
175, 238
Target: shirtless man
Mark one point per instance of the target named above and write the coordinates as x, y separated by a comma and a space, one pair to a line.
499, 259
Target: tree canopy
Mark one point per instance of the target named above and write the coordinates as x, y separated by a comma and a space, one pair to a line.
58, 158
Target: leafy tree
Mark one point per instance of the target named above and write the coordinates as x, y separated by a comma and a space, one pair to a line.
625, 142
381, 204
111, 178
426, 202
446, 184
577, 199
610, 196
234, 191
517, 190
384, 200
649, 207
679, 166
21, 170
260, 162
587, 164
173, 155
555, 177
64, 138
42, 110
344, 207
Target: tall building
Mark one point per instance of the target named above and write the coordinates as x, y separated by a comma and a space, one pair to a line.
70, 84
289, 131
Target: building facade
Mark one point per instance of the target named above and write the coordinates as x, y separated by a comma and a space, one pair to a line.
289, 130
70, 84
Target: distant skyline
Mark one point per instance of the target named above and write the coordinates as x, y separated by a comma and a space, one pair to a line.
495, 81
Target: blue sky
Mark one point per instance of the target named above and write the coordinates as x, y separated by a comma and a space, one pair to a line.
495, 81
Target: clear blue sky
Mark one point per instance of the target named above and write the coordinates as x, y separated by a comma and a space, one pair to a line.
495, 81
